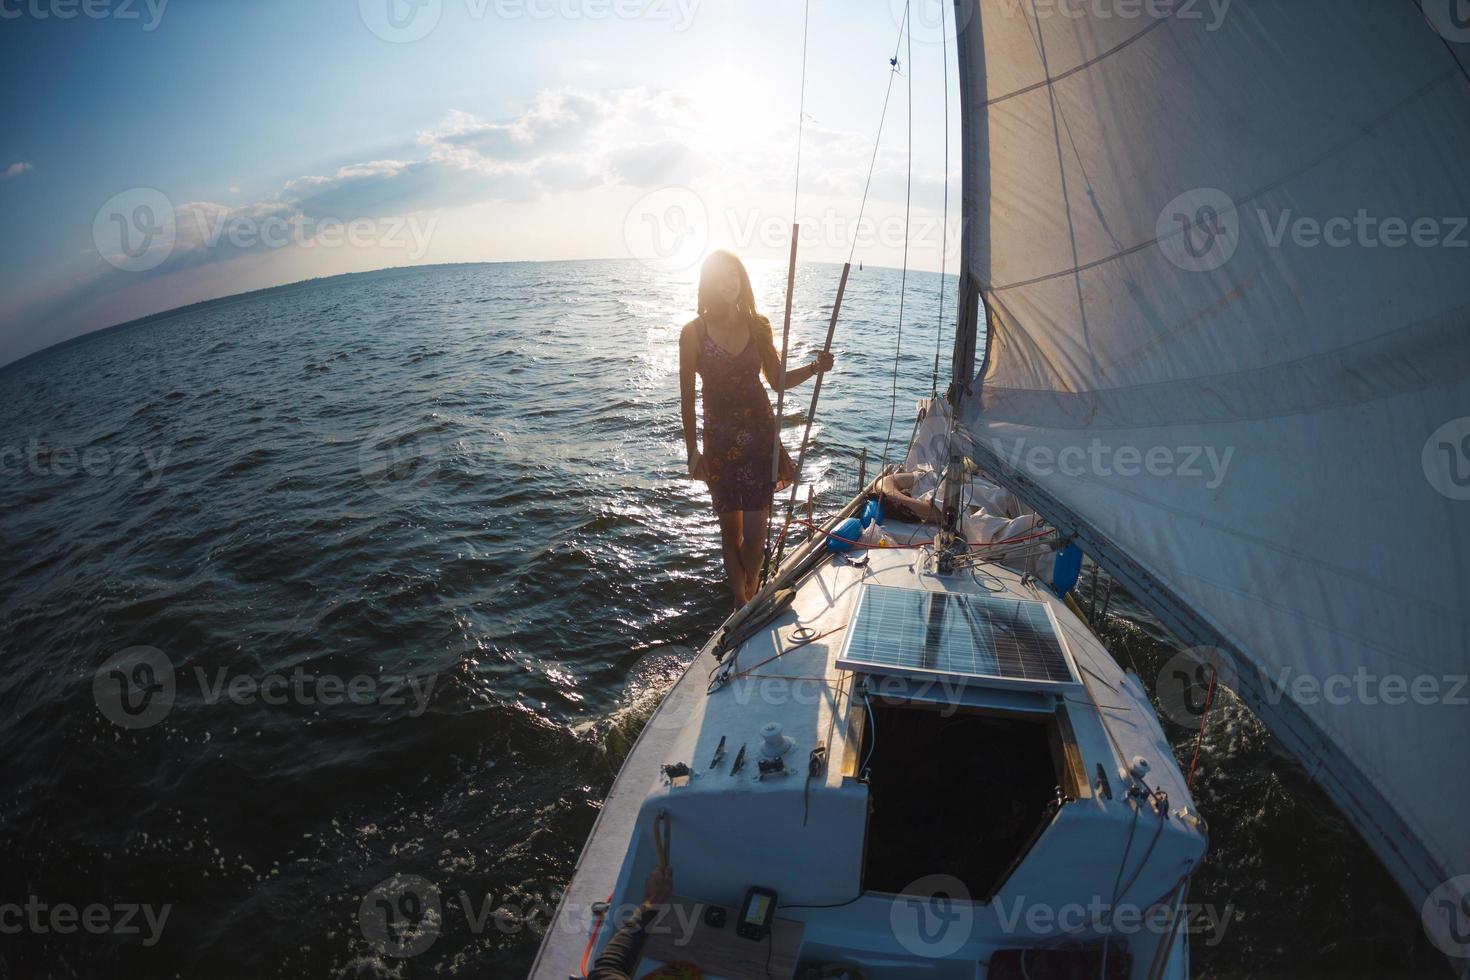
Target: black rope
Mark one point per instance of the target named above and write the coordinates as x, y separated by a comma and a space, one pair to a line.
944, 227
791, 274
1449, 48
893, 70
800, 114
907, 204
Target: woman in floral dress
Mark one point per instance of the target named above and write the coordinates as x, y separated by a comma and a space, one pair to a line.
729, 345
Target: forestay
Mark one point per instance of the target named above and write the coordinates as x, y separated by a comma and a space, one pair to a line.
1223, 253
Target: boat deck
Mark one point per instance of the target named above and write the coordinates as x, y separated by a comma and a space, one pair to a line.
802, 830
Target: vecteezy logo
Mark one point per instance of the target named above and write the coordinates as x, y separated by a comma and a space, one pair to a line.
400, 21
933, 21
933, 917
1451, 18
1445, 916
399, 455
667, 230
1199, 230
135, 230
135, 688
402, 916
1446, 459
1183, 685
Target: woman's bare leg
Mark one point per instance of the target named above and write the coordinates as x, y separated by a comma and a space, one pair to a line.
753, 549
730, 537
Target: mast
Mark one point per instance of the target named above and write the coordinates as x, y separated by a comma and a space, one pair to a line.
974, 238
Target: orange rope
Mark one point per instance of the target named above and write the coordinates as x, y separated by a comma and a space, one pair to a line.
592, 939
1199, 739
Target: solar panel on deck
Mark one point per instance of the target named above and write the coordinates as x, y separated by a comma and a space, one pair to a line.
896, 630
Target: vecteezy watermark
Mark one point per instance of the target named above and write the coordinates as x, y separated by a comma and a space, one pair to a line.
832, 229
1445, 916
1184, 684
400, 455
38, 459
1211, 12
1363, 230
777, 691
409, 455
940, 21
150, 12
401, 21
933, 917
1199, 230
137, 688
245, 231
933, 21
1097, 458
63, 919
140, 229
1100, 917
402, 916
667, 229
1451, 18
136, 229
1366, 687
406, 21
1446, 459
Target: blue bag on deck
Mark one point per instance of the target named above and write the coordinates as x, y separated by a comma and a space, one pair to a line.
851, 529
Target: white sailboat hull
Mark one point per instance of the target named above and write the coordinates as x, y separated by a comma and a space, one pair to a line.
1108, 850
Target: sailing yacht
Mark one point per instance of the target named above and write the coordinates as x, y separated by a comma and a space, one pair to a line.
919, 760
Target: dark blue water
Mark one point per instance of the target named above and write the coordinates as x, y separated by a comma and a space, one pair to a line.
412, 555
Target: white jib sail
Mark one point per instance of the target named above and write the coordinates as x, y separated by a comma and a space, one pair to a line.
1224, 253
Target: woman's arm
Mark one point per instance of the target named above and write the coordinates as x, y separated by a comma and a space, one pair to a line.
619, 960
688, 360
786, 380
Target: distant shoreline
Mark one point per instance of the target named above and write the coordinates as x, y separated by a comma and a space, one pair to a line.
218, 301
394, 270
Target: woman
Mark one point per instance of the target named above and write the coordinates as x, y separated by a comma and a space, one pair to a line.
729, 345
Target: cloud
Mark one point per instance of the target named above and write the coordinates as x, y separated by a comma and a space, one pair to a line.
557, 177
559, 122
16, 169
657, 164
565, 142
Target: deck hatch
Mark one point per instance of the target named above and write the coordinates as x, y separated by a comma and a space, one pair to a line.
996, 639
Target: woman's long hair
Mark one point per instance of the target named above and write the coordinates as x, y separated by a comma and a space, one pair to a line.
759, 326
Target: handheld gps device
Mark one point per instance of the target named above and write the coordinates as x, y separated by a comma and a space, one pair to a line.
756, 913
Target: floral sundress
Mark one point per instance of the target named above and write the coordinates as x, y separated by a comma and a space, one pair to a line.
739, 427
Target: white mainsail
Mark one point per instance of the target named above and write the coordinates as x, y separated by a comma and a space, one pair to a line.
1222, 247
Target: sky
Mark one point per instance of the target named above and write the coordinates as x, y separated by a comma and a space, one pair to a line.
156, 153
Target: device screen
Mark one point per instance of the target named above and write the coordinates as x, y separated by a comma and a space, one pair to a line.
759, 906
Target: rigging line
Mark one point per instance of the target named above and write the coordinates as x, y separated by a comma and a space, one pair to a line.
790, 287
1464, 70
1360, 131
944, 226
801, 109
862, 208
908, 195
877, 140
1051, 79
